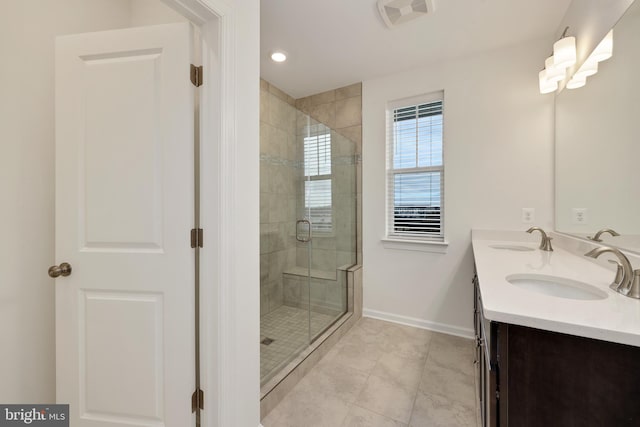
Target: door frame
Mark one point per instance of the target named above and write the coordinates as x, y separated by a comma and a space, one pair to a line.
229, 194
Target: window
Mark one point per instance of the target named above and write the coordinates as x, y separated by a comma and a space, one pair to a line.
415, 169
317, 185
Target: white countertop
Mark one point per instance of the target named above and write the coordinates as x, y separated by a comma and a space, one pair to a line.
615, 318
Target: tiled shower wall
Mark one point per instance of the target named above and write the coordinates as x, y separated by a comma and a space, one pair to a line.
277, 192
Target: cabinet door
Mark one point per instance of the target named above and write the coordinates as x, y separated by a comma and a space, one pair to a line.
557, 380
482, 387
479, 356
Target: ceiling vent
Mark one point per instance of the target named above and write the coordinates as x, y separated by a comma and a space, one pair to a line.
396, 12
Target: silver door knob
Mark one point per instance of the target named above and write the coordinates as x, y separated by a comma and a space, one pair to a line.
63, 269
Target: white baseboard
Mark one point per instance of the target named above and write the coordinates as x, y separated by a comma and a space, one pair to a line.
419, 323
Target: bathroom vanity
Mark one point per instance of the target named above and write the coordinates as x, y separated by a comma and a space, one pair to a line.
547, 358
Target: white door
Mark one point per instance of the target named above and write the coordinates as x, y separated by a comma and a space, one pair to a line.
124, 209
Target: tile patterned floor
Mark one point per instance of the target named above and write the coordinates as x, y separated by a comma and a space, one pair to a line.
288, 327
385, 375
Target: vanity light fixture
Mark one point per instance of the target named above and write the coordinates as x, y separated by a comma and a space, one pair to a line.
576, 82
604, 50
564, 51
546, 86
589, 68
278, 56
564, 56
553, 73
555, 66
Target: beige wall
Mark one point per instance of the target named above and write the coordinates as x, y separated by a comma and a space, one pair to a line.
153, 12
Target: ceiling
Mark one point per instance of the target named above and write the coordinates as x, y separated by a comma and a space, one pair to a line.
333, 43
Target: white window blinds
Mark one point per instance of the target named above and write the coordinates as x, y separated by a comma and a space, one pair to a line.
317, 155
317, 185
415, 169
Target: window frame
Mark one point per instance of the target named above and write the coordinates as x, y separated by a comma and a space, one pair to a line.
393, 237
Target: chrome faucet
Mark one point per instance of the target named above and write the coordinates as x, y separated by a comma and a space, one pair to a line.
617, 281
545, 244
629, 283
597, 238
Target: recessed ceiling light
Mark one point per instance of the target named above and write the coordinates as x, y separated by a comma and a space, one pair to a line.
278, 56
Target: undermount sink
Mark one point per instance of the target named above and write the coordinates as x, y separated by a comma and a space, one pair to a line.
556, 286
517, 248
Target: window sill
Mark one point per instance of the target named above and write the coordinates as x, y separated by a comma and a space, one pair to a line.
415, 245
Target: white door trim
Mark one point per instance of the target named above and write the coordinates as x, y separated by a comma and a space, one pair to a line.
229, 191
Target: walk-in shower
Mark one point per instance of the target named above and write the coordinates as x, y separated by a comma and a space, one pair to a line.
307, 229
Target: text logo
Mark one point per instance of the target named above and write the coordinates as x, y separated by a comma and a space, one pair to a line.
34, 415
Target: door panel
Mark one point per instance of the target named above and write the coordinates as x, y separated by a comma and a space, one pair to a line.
131, 216
125, 333
139, 368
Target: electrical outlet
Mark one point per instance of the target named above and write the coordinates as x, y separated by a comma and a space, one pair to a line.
579, 215
528, 215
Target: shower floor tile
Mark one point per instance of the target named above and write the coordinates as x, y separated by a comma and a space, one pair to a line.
288, 327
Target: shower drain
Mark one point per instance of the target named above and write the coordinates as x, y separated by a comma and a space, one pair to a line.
266, 341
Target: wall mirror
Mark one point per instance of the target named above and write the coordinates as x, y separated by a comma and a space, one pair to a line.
598, 145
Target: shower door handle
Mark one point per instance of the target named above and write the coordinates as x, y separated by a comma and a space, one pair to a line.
308, 236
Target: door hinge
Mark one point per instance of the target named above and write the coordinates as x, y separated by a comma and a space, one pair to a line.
197, 238
197, 400
196, 75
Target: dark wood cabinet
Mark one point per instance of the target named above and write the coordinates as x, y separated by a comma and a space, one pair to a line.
530, 377
486, 362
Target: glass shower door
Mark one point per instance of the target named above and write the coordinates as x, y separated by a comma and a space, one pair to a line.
326, 285
308, 232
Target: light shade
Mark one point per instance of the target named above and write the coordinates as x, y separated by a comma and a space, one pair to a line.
554, 74
564, 52
575, 83
278, 56
589, 68
546, 86
604, 50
